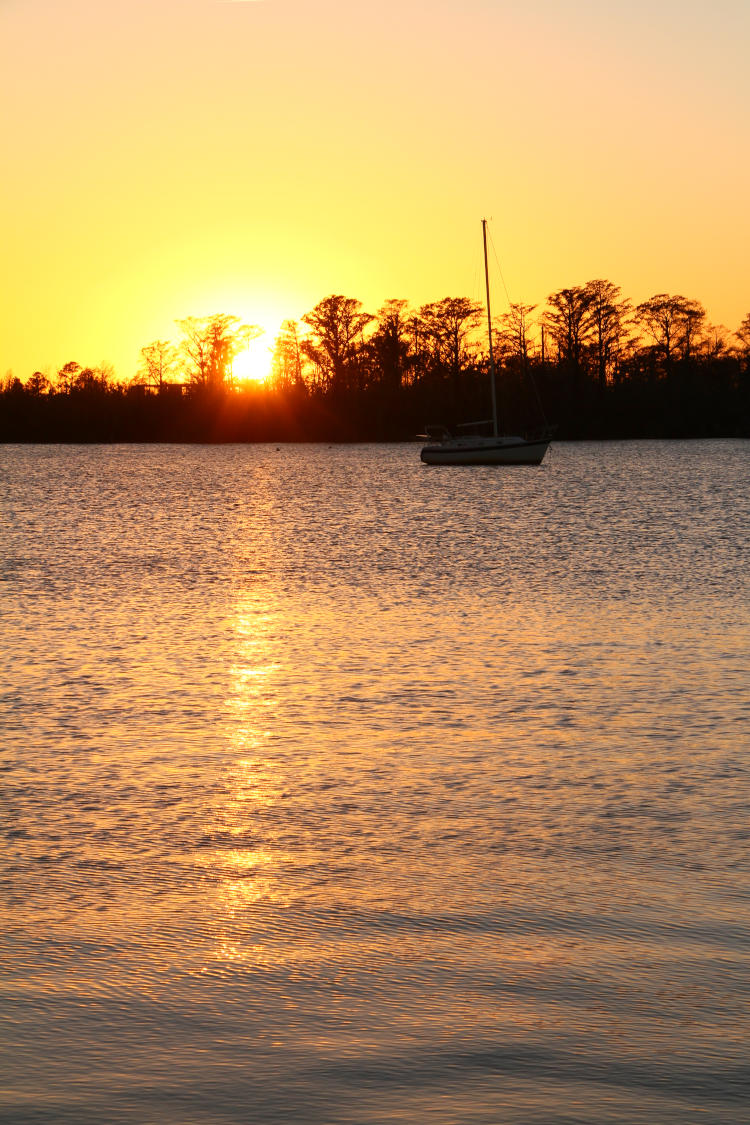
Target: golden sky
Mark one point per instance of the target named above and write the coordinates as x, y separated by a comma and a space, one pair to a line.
173, 158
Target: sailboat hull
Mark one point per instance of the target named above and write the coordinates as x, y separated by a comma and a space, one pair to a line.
467, 451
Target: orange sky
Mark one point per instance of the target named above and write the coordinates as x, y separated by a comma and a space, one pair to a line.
169, 158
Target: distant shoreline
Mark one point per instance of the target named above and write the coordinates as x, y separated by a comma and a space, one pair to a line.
700, 400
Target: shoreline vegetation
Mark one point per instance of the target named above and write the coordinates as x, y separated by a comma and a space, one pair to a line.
590, 364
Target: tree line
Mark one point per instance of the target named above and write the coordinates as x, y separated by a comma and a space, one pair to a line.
590, 362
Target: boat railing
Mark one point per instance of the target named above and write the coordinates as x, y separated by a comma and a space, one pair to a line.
436, 432
474, 425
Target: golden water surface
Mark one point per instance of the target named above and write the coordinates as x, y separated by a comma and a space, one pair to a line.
339, 789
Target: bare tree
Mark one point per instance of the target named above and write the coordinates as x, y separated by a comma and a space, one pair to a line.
513, 332
286, 361
157, 363
210, 343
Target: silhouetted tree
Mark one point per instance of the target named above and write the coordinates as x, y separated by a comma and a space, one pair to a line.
445, 329
716, 341
512, 335
286, 361
608, 321
743, 340
38, 384
210, 343
66, 376
693, 323
336, 328
568, 322
157, 364
743, 335
92, 379
389, 344
673, 323
412, 367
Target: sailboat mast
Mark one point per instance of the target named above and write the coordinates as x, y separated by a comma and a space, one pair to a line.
489, 330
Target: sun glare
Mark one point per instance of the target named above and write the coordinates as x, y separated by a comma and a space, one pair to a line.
253, 363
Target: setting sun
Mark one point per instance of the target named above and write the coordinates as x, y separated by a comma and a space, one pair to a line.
253, 363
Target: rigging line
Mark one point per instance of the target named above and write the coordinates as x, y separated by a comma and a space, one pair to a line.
528, 374
499, 270
537, 396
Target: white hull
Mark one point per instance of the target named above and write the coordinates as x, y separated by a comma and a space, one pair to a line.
485, 451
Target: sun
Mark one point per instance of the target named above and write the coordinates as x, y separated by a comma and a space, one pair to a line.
252, 366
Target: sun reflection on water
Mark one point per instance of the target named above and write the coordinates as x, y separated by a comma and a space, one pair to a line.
243, 864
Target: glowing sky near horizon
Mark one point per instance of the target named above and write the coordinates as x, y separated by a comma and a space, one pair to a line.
173, 158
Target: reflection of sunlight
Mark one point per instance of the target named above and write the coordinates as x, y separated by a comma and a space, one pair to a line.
243, 863
252, 674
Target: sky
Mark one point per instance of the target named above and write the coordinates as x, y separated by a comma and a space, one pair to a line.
172, 158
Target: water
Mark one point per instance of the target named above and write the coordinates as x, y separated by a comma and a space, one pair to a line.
339, 789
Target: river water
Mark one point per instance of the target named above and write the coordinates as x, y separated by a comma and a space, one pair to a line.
341, 789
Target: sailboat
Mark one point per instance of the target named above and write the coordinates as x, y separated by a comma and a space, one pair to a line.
444, 448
